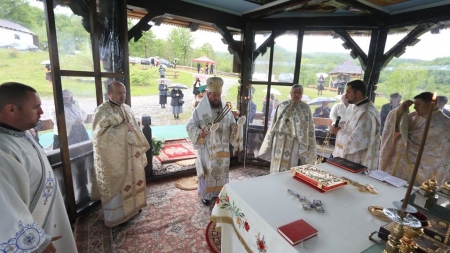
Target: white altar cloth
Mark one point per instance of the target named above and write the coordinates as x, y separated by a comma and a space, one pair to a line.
257, 207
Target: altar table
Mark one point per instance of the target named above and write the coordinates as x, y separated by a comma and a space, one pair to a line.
250, 211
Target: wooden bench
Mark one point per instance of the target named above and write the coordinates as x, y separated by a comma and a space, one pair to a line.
174, 74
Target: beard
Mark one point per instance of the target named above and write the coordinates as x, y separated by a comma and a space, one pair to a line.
215, 104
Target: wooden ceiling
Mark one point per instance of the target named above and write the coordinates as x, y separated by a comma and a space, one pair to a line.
355, 16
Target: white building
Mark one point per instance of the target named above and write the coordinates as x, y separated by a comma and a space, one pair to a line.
13, 34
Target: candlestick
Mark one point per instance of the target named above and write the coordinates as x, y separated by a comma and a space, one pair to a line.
419, 155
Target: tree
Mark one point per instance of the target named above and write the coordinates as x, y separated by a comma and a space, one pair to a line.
208, 50
21, 12
180, 41
405, 80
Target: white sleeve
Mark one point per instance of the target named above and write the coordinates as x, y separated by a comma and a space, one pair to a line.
23, 234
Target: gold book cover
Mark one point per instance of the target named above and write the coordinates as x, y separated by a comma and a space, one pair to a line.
317, 177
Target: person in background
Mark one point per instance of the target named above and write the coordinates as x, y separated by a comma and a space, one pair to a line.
211, 69
33, 214
359, 139
272, 97
394, 102
198, 67
162, 71
48, 75
252, 109
323, 111
206, 68
275, 104
343, 109
175, 63
202, 93
162, 87
75, 117
197, 84
341, 82
290, 141
119, 158
177, 102
320, 85
213, 146
402, 135
441, 102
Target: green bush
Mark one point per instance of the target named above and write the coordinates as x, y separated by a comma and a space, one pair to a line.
143, 77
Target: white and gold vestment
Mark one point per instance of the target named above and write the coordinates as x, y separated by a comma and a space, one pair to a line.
119, 160
400, 143
359, 139
290, 141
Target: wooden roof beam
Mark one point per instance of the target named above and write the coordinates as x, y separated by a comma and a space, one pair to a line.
430, 15
410, 39
267, 43
355, 50
142, 26
228, 37
188, 10
360, 6
274, 9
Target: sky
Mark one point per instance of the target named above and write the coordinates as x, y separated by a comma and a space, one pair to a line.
431, 46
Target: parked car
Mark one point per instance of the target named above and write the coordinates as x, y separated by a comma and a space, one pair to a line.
26, 47
145, 61
165, 62
286, 78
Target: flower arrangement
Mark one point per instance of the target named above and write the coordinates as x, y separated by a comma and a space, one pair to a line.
156, 145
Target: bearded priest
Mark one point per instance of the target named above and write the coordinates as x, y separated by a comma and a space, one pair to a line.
212, 128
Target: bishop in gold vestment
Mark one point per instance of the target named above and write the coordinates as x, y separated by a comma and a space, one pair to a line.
291, 140
119, 158
402, 137
212, 129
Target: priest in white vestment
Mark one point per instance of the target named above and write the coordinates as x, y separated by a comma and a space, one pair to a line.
402, 137
212, 128
119, 158
291, 140
33, 216
343, 109
359, 139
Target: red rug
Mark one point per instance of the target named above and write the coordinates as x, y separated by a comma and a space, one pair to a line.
213, 237
176, 150
174, 221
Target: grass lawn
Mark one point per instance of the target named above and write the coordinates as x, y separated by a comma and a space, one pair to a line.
26, 67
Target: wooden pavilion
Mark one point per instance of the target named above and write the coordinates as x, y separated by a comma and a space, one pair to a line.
106, 21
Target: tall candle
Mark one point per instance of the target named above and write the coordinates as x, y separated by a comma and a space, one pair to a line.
419, 155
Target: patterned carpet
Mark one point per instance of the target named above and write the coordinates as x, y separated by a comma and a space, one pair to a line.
174, 221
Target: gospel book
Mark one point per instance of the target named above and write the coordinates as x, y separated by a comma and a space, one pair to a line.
297, 231
383, 176
317, 177
346, 164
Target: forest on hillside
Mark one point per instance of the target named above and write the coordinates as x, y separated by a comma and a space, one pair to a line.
407, 76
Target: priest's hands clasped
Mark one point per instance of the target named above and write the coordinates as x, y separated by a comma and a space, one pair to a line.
130, 127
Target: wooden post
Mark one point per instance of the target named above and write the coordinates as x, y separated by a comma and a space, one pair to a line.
374, 60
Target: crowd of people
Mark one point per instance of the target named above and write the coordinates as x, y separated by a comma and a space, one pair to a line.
387, 140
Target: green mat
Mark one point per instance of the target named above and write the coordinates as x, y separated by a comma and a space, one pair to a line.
169, 132
159, 132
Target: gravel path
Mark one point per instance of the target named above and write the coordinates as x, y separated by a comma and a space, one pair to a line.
146, 106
